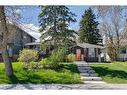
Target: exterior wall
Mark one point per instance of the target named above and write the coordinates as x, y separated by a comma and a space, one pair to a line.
17, 39
20, 39
93, 55
87, 54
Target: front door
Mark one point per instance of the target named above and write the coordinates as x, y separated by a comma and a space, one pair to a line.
78, 54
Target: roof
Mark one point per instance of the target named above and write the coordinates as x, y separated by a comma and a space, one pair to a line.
87, 45
33, 33
30, 44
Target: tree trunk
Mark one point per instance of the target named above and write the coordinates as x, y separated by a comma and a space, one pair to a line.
4, 42
7, 61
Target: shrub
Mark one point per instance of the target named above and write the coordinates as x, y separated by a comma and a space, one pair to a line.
34, 65
70, 58
59, 55
45, 62
27, 56
54, 60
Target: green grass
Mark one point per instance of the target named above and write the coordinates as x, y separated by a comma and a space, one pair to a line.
69, 75
115, 72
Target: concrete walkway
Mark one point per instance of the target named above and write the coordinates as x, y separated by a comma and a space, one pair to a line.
88, 75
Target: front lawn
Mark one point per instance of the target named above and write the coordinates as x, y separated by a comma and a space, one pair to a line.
115, 72
69, 75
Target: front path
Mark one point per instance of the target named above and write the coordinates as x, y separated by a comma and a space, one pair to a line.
88, 75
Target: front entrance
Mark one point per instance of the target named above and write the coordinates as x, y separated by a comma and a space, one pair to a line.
81, 54
78, 54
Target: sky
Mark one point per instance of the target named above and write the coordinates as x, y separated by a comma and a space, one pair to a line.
30, 19
30, 15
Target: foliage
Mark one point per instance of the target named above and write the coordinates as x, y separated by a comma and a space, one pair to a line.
70, 58
46, 62
33, 65
58, 55
54, 60
89, 31
27, 56
111, 50
54, 22
69, 75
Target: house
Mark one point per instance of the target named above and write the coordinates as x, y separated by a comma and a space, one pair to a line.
18, 39
87, 52
123, 51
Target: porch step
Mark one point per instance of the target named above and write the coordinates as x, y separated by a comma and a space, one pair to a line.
91, 78
88, 75
85, 68
86, 71
83, 65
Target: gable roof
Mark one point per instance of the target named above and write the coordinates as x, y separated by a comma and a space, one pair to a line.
29, 31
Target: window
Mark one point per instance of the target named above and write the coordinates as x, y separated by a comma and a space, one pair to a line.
123, 51
91, 52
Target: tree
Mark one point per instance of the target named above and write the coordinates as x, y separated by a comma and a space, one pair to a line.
54, 22
89, 31
8, 17
4, 34
113, 23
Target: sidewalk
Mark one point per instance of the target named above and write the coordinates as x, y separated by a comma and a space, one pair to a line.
62, 87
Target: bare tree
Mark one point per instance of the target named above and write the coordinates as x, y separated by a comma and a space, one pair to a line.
9, 17
4, 34
113, 20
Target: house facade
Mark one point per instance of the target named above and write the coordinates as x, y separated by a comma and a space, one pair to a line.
123, 51
18, 39
87, 52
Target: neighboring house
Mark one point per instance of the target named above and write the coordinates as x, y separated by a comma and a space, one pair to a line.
18, 39
123, 51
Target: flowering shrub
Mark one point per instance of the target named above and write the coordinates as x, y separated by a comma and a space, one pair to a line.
27, 56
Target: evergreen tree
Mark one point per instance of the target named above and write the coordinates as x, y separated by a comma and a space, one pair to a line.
54, 22
89, 32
